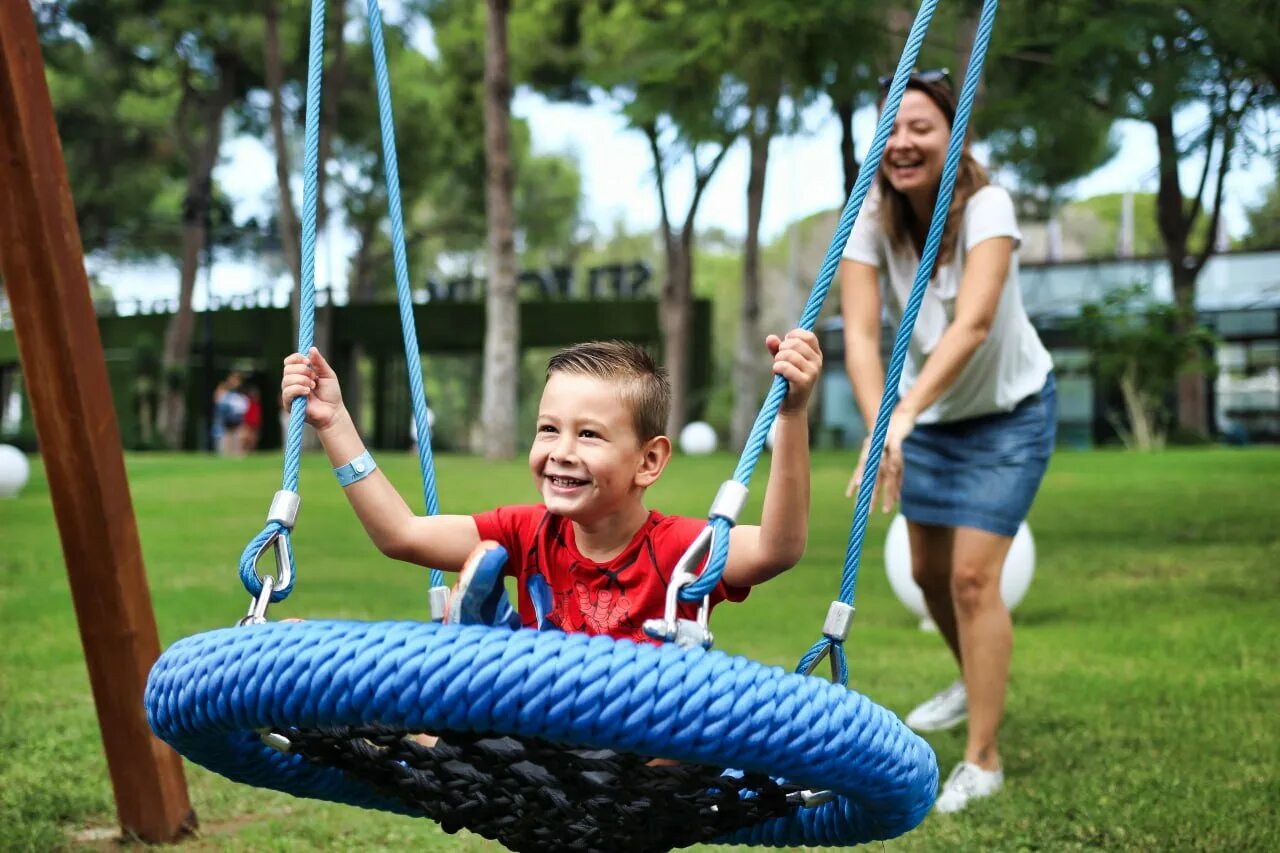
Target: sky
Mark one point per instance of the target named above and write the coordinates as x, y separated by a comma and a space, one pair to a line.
804, 171
804, 177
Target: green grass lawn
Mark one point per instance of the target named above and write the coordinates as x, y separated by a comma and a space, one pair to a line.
1144, 705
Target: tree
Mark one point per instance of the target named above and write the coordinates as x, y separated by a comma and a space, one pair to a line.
119, 158
1138, 347
851, 48
1044, 152
275, 79
771, 43
201, 59
1264, 220
667, 65
1247, 31
502, 314
1147, 62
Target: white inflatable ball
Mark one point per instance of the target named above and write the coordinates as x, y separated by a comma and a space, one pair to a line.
1015, 578
413, 424
14, 471
698, 438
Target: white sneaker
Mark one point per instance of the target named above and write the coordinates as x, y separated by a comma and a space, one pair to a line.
946, 710
968, 782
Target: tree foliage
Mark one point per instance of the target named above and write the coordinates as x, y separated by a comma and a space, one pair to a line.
1138, 347
1264, 220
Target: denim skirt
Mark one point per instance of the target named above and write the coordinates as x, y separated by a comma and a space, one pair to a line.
980, 472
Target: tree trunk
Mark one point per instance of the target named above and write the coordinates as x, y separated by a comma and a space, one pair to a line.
288, 218
335, 82
360, 287
1175, 226
1193, 403
675, 308
498, 406
748, 359
849, 160
1144, 432
675, 315
177, 339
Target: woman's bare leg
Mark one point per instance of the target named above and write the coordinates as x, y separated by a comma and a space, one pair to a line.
986, 636
931, 551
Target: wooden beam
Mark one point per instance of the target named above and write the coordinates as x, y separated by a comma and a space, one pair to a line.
66, 381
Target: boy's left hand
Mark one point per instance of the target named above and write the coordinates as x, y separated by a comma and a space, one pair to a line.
797, 358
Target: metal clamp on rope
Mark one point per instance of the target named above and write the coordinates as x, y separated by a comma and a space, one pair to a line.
258, 606
283, 511
836, 629
810, 799
284, 508
671, 628
275, 740
438, 598
729, 501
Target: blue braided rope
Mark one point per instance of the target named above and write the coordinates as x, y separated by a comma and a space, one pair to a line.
306, 311
412, 357
306, 314
955, 148
818, 295
208, 694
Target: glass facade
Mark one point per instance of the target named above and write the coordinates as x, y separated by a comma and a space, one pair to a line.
1238, 297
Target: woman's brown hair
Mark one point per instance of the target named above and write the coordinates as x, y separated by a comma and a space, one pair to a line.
896, 217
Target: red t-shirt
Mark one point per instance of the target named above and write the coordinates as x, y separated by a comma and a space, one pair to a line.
613, 598
253, 414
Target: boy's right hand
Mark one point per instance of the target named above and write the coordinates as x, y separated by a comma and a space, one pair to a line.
313, 378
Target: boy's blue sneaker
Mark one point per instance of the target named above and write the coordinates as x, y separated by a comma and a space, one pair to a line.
543, 602
480, 597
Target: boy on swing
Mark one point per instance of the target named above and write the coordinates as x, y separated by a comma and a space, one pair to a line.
590, 558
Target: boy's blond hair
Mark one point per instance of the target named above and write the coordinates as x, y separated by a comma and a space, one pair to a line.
643, 385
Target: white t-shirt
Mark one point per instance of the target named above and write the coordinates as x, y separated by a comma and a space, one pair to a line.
1011, 364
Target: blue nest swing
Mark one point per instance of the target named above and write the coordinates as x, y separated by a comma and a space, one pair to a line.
544, 740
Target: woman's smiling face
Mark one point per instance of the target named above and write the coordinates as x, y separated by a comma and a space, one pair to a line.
917, 148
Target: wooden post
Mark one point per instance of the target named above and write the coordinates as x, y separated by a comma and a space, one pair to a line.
66, 380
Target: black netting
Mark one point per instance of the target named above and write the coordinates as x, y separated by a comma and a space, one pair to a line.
532, 795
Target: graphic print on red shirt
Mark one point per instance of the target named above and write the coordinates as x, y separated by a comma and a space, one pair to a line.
614, 597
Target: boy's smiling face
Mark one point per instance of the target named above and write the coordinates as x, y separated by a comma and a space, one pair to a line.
587, 460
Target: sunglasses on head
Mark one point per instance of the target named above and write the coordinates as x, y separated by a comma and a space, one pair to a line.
932, 75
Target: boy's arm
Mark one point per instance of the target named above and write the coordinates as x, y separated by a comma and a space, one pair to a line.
438, 541
757, 554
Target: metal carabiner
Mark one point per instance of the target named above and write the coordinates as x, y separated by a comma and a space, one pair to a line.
283, 577
685, 633
258, 606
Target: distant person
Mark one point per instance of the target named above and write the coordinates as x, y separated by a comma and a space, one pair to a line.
251, 428
971, 436
229, 406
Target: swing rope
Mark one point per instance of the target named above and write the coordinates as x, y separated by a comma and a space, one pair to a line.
707, 580
710, 576
277, 531
321, 708
955, 148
